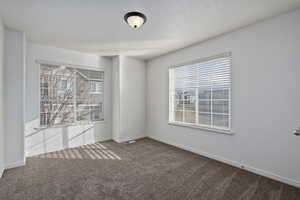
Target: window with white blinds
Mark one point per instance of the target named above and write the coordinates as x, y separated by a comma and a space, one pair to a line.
199, 93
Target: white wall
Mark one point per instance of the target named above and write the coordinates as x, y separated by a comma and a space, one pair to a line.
133, 96
59, 138
14, 97
129, 77
2, 164
116, 98
265, 99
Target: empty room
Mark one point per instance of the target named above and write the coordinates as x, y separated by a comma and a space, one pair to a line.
150, 100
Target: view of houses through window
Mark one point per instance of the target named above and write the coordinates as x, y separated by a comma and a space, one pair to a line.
200, 93
70, 95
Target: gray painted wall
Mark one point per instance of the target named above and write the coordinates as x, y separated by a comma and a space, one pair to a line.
14, 97
129, 107
265, 99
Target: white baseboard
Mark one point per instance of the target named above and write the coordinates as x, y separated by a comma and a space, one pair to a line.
126, 139
233, 163
15, 164
104, 139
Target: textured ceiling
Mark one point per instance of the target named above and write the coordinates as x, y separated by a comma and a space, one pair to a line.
97, 26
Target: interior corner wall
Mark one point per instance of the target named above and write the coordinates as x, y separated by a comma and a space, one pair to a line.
265, 99
2, 105
116, 99
57, 138
133, 98
129, 99
14, 62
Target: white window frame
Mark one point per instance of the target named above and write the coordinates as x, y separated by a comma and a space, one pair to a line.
228, 131
92, 68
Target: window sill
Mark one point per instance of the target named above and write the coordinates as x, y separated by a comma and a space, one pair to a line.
228, 132
68, 125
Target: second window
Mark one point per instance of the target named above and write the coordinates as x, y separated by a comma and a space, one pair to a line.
200, 93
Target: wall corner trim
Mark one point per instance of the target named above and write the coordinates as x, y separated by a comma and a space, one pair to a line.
1, 171
252, 169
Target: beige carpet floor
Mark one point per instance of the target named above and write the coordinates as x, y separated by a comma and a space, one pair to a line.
145, 170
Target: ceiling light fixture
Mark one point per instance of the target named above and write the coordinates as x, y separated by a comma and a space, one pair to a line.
135, 19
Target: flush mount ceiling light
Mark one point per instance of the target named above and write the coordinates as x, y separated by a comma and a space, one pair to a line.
135, 19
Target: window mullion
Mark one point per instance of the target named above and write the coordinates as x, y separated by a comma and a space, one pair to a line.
172, 103
89, 101
211, 107
75, 96
197, 106
183, 106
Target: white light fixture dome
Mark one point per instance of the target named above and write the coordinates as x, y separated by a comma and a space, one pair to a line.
135, 19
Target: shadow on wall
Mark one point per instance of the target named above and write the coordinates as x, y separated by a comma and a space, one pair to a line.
57, 138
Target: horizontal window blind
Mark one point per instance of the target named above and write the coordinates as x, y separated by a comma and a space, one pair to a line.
199, 93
